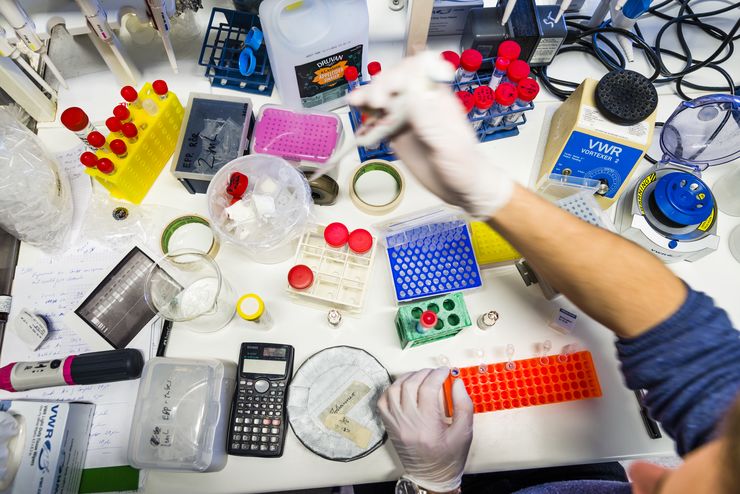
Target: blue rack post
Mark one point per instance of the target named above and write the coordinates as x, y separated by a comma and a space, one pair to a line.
485, 132
222, 44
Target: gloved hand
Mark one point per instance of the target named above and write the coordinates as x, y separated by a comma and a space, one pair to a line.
432, 452
437, 144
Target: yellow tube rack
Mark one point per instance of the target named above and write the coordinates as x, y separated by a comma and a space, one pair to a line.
135, 174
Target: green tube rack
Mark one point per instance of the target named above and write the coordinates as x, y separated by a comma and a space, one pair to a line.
450, 309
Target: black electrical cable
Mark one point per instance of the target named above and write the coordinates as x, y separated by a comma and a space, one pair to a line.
611, 57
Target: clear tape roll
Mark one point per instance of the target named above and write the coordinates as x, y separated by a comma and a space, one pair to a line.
383, 166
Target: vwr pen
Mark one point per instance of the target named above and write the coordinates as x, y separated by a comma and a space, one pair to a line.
86, 368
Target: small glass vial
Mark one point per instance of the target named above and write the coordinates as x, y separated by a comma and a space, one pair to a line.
352, 76
150, 107
546, 347
89, 159
122, 113
527, 90
480, 355
131, 95
427, 321
119, 148
97, 140
505, 96
334, 318
106, 166
470, 62
160, 89
510, 364
487, 320
484, 99
499, 71
250, 307
130, 132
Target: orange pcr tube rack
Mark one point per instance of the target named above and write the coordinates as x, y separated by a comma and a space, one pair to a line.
530, 382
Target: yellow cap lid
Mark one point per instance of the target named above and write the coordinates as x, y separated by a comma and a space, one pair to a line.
250, 307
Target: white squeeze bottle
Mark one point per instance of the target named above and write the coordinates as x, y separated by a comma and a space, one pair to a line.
309, 43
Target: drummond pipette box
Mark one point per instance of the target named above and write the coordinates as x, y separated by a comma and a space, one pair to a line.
53, 440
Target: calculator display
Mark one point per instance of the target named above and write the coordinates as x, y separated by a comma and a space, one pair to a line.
271, 351
272, 367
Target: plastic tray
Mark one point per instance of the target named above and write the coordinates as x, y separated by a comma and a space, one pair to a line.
452, 317
297, 135
340, 276
491, 248
430, 253
534, 381
198, 156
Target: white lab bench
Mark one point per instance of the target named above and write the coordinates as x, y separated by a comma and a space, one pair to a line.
609, 428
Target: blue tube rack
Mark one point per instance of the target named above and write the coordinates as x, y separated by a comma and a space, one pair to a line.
222, 44
484, 133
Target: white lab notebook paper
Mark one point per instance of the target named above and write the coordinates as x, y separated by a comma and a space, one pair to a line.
52, 287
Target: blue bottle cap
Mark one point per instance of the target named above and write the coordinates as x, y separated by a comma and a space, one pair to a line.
683, 198
247, 62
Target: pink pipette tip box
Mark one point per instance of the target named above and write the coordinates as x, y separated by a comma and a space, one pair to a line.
296, 135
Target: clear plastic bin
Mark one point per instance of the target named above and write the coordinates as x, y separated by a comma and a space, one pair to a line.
274, 210
181, 415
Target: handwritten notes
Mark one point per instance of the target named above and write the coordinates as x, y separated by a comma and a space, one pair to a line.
50, 288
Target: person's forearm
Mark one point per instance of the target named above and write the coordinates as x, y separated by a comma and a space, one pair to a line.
614, 281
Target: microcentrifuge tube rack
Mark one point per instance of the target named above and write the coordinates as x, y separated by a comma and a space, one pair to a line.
135, 174
535, 381
452, 317
491, 249
431, 254
340, 275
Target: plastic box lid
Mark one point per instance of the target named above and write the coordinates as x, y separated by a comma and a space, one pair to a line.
180, 414
703, 132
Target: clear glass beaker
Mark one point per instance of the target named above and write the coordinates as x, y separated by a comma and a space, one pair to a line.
735, 243
187, 286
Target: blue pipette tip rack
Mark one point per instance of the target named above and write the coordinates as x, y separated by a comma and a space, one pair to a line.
431, 254
224, 40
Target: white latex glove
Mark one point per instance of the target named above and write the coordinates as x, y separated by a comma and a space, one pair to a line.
432, 452
438, 144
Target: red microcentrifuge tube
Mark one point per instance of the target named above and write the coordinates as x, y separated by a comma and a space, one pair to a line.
160, 89
89, 159
130, 131
131, 95
106, 166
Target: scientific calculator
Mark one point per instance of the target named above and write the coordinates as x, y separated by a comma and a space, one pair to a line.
258, 417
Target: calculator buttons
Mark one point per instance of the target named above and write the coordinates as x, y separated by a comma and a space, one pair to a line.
263, 447
261, 386
275, 422
273, 439
274, 430
273, 448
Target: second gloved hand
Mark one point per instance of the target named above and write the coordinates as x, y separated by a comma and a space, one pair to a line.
437, 144
432, 451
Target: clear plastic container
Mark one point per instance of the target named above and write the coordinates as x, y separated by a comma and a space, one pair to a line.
309, 43
181, 417
274, 211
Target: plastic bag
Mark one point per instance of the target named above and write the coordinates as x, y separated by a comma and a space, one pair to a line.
35, 198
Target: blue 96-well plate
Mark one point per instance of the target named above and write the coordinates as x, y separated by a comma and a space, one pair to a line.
432, 259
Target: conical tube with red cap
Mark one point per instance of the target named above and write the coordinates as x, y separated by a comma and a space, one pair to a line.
527, 90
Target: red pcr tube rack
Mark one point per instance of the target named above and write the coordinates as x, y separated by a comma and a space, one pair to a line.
533, 381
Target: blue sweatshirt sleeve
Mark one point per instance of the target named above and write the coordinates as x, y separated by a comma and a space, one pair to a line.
690, 366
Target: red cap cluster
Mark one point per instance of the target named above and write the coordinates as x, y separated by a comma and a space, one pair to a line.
518, 70
509, 49
506, 94
452, 57
467, 100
